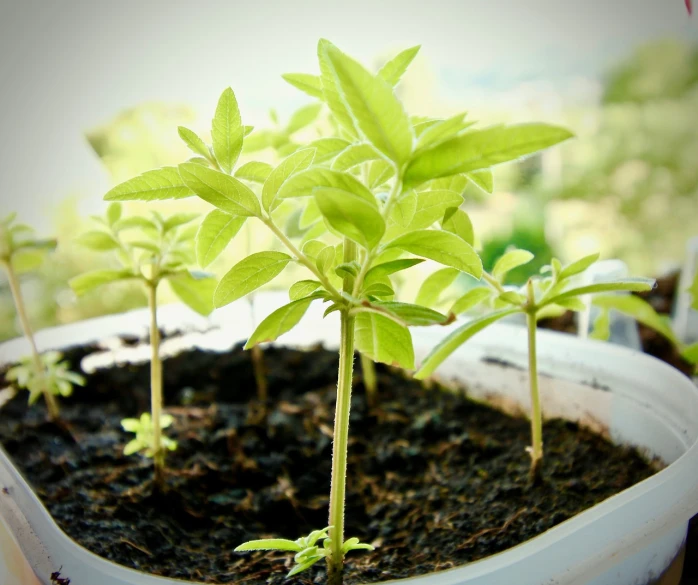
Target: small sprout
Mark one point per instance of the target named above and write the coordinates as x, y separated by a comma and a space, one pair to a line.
55, 377
553, 293
145, 434
306, 548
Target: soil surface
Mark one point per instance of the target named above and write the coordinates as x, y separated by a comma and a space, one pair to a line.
435, 480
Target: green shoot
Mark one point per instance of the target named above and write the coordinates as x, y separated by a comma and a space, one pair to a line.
54, 377
21, 252
145, 435
386, 186
540, 297
308, 552
156, 250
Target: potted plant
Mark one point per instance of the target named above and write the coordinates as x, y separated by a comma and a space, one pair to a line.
387, 185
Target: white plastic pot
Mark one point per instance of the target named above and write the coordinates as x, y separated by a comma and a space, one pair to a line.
633, 538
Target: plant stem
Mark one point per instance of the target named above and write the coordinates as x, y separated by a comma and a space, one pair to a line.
368, 370
155, 385
54, 412
335, 561
260, 376
536, 449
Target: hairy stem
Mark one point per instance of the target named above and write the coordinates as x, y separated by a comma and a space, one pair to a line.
536, 449
54, 412
368, 369
155, 385
335, 561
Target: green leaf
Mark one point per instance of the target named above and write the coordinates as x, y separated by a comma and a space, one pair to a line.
86, 282
254, 171
458, 222
638, 309
192, 140
482, 149
215, 233
308, 182
404, 209
327, 148
24, 261
196, 293
441, 130
457, 338
248, 275
331, 92
220, 190
432, 205
386, 268
483, 179
509, 261
134, 222
164, 183
298, 161
394, 69
434, 285
690, 353
302, 117
178, 219
375, 110
378, 289
382, 340
113, 213
325, 259
304, 566
270, 544
379, 173
578, 267
279, 322
601, 327
625, 284
693, 291
352, 216
442, 247
354, 155
303, 288
227, 131
471, 299
413, 315
97, 241
306, 82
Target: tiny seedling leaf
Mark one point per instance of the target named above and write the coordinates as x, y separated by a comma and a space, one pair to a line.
434, 285
394, 69
215, 233
227, 131
248, 275
279, 322
509, 261
383, 340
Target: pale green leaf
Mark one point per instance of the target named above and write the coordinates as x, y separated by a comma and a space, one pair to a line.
434, 285
690, 353
196, 293
471, 299
483, 179
455, 339
375, 110
325, 259
220, 190
331, 92
308, 182
279, 322
438, 131
509, 261
254, 171
638, 309
354, 155
178, 219
379, 172
215, 233
404, 209
192, 140
306, 82
482, 149
114, 213
248, 275
378, 289
442, 247
413, 315
458, 222
352, 216
227, 131
390, 267
302, 117
90, 280
270, 544
303, 288
625, 284
132, 222
432, 206
97, 241
298, 161
382, 340
577, 267
328, 148
164, 183
394, 69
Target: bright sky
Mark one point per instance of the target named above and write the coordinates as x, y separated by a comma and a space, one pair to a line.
71, 65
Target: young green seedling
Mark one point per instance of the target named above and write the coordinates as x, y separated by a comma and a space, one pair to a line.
355, 227
539, 297
54, 376
145, 434
21, 252
156, 250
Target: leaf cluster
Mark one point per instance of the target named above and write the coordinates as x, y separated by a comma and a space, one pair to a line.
19, 247
144, 440
56, 378
149, 250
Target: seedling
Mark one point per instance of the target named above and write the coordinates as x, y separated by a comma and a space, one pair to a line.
358, 227
21, 252
145, 434
158, 249
54, 377
539, 297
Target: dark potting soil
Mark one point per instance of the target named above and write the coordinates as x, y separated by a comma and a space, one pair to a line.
434, 480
